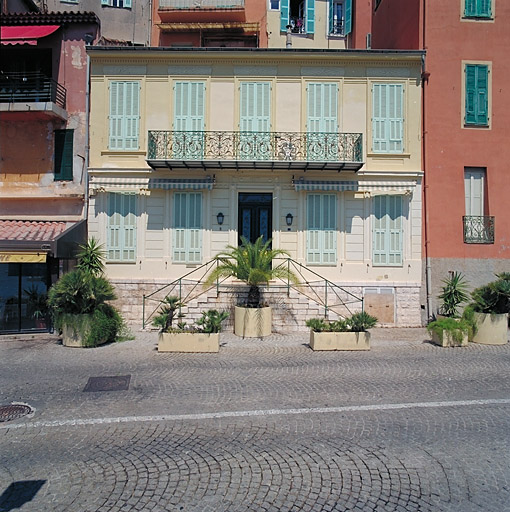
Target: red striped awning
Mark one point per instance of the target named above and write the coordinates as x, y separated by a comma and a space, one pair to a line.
25, 34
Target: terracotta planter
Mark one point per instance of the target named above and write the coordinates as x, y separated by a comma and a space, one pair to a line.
492, 329
71, 337
339, 340
252, 322
188, 342
447, 341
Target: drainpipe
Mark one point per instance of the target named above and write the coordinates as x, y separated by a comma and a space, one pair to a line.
288, 42
87, 136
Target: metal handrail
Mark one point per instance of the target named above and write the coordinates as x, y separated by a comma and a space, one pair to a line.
200, 4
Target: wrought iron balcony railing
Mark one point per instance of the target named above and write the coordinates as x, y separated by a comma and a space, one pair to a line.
478, 229
260, 149
200, 4
32, 87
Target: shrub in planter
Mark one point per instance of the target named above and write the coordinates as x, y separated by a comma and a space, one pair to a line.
450, 332
453, 295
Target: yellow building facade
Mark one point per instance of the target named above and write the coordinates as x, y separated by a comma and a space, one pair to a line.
317, 150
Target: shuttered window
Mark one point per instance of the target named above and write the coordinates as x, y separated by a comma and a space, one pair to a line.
310, 16
321, 230
63, 163
478, 9
124, 115
387, 233
284, 15
388, 118
187, 232
336, 17
348, 17
189, 116
474, 187
299, 13
477, 85
121, 227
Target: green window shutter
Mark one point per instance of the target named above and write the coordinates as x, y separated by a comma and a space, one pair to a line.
322, 107
387, 118
348, 17
121, 227
116, 115
124, 115
395, 117
387, 244
310, 16
484, 8
189, 116
284, 15
331, 15
187, 233
63, 158
313, 122
478, 8
379, 136
470, 114
477, 85
255, 107
321, 229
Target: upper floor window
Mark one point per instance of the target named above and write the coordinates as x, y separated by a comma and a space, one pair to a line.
299, 15
478, 9
63, 158
339, 17
117, 3
274, 5
388, 118
477, 97
124, 115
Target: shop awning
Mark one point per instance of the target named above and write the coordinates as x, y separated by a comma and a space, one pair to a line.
373, 187
224, 26
32, 241
25, 34
100, 184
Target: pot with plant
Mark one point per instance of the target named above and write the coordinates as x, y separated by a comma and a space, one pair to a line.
253, 264
454, 293
203, 336
450, 332
343, 334
491, 306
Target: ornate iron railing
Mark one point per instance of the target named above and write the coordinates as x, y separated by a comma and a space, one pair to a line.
478, 229
200, 4
36, 87
265, 146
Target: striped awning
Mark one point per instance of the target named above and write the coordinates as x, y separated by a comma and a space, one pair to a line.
99, 184
337, 186
401, 187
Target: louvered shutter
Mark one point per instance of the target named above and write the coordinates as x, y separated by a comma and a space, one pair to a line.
331, 16
348, 17
255, 121
284, 15
313, 254
189, 116
127, 4
187, 233
310, 16
395, 230
121, 227
321, 229
387, 243
379, 138
322, 121
328, 244
395, 117
116, 115
132, 114
482, 95
470, 115
387, 118
484, 8
380, 229
63, 156
105, 2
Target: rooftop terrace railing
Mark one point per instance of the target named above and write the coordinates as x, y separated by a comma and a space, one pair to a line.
201, 4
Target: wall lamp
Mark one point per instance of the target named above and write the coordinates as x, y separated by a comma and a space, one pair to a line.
220, 218
289, 218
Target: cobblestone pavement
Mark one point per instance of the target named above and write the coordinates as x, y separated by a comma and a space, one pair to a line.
265, 425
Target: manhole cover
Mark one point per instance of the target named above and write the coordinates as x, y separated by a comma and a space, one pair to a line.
14, 411
118, 383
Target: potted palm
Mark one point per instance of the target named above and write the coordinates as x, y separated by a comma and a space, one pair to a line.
491, 306
453, 294
253, 264
37, 306
343, 334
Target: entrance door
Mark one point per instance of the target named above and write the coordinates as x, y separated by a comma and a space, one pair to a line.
255, 216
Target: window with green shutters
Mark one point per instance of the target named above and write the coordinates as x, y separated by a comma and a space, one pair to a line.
477, 97
478, 9
63, 157
121, 227
388, 231
189, 116
339, 17
255, 121
124, 115
300, 15
388, 118
187, 231
321, 229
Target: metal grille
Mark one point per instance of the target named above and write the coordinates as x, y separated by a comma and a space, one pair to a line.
14, 411
478, 229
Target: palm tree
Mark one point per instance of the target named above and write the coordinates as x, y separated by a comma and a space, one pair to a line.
253, 264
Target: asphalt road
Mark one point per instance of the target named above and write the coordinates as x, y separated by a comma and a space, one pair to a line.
265, 425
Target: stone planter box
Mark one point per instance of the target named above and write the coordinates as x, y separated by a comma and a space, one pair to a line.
252, 322
447, 341
492, 329
72, 338
339, 340
188, 342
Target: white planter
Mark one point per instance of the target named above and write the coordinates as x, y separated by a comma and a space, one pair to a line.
447, 341
252, 322
339, 340
492, 329
188, 342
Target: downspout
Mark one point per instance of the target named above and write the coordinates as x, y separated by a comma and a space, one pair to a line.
87, 141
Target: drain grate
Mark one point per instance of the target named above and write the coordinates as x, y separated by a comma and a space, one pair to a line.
118, 383
14, 411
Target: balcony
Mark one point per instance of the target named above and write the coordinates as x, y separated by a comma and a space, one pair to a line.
255, 150
175, 5
32, 92
478, 229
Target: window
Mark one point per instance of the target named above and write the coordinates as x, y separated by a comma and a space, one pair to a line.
299, 15
387, 118
321, 229
477, 9
63, 158
339, 16
189, 116
121, 227
274, 5
477, 98
387, 241
117, 3
478, 227
187, 233
124, 115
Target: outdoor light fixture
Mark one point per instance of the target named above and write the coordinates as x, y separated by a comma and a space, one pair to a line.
220, 218
289, 219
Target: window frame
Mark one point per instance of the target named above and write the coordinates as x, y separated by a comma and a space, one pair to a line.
331, 8
484, 124
476, 14
126, 4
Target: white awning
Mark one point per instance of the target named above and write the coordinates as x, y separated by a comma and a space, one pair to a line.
338, 186
374, 187
105, 184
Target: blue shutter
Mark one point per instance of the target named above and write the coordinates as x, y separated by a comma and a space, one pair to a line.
379, 242
395, 230
116, 115
484, 8
470, 114
387, 118
127, 3
482, 80
387, 243
284, 15
348, 17
379, 108
187, 232
124, 115
322, 121
478, 8
331, 21
121, 227
63, 156
189, 116
310, 16
321, 229
395, 118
